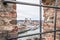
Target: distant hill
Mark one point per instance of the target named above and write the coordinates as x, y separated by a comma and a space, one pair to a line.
24, 20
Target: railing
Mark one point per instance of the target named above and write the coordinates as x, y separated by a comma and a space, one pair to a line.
38, 5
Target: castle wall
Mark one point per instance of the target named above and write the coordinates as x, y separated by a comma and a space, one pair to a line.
7, 18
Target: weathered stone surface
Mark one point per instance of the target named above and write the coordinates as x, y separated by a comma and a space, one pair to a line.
7, 14
2, 22
49, 15
13, 22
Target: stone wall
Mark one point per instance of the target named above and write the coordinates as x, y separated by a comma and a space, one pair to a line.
7, 18
49, 20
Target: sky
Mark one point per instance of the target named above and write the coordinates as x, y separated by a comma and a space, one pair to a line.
26, 11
